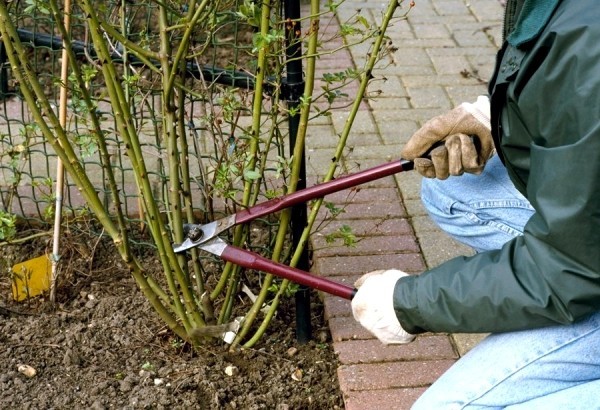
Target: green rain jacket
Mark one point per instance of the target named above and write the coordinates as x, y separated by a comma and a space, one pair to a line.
545, 99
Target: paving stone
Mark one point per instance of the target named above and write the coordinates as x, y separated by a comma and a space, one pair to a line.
401, 68
424, 224
411, 56
334, 306
421, 42
382, 153
363, 122
363, 139
466, 341
386, 86
409, 184
471, 38
435, 18
488, 50
389, 103
319, 161
482, 67
486, 10
361, 193
346, 265
388, 399
373, 245
373, 351
378, 376
438, 248
381, 226
415, 208
321, 136
451, 64
348, 280
346, 328
376, 209
394, 131
452, 8
437, 31
419, 115
462, 94
452, 79
428, 97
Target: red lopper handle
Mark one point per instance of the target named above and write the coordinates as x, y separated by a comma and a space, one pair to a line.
252, 260
320, 190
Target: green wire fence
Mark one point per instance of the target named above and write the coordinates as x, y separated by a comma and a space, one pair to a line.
176, 112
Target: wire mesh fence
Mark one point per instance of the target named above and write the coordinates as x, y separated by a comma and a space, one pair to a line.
215, 108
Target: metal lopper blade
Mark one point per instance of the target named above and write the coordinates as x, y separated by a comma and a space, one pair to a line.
199, 234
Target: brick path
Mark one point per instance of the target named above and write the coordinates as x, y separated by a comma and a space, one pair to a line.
444, 48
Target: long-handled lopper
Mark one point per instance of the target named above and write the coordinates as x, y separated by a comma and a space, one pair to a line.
206, 237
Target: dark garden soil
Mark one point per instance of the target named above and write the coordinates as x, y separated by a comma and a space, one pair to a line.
102, 346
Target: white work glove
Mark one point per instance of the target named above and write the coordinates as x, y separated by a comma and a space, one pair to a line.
467, 142
373, 306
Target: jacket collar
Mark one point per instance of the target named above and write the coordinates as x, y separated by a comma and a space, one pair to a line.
532, 19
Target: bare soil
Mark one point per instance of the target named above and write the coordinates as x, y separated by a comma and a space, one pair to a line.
102, 346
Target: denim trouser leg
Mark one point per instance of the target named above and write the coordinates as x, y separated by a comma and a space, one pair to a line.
482, 211
554, 368
551, 368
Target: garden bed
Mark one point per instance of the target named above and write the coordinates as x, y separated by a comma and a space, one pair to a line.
102, 346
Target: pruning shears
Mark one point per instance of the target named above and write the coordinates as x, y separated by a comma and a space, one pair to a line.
205, 237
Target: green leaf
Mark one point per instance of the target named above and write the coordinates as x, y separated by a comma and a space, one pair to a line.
345, 234
7, 225
335, 211
362, 20
251, 175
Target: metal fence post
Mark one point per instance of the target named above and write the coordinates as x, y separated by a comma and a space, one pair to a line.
294, 83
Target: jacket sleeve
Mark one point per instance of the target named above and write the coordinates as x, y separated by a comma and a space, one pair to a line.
551, 274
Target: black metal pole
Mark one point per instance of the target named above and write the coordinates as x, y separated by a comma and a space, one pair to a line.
294, 87
3, 72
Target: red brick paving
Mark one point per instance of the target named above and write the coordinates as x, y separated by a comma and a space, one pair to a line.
388, 399
388, 375
372, 351
348, 265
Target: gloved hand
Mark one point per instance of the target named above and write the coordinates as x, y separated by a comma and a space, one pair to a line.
373, 306
467, 138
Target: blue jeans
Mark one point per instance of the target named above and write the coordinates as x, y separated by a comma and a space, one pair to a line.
551, 368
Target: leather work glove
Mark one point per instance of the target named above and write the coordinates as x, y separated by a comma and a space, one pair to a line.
467, 142
373, 306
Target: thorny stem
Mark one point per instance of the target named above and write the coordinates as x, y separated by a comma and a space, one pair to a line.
187, 190
183, 46
127, 131
37, 102
254, 140
143, 54
170, 135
